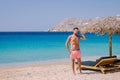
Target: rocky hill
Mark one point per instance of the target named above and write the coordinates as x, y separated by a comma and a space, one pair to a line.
69, 23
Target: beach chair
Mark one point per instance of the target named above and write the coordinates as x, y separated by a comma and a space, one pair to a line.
117, 62
103, 64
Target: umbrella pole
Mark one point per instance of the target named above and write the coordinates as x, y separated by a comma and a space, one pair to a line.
110, 44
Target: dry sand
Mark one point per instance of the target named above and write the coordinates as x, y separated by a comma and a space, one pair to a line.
52, 71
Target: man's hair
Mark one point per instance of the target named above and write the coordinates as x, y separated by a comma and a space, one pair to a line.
75, 28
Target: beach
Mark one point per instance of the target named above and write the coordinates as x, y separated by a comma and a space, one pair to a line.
52, 71
47, 40
33, 56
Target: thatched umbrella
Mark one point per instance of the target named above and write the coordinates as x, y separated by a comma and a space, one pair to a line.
110, 25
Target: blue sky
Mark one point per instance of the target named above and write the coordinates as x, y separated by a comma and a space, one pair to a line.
38, 15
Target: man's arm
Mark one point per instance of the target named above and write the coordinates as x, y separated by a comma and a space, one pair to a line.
67, 42
83, 37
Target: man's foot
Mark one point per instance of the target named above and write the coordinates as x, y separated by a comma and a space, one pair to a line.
80, 72
74, 73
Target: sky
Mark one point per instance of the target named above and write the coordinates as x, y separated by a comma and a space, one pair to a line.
40, 15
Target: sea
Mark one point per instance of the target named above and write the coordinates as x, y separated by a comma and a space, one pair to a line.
20, 47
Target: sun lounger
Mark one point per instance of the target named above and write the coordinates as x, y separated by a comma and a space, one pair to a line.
117, 62
102, 64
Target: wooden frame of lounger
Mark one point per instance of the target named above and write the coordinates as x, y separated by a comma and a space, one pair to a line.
100, 65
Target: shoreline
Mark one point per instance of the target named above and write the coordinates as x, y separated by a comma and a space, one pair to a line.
56, 70
52, 61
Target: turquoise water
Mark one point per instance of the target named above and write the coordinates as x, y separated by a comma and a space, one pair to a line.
42, 46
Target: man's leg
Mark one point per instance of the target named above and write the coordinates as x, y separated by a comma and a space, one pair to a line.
79, 64
73, 69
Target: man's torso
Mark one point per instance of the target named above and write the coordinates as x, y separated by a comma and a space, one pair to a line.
74, 40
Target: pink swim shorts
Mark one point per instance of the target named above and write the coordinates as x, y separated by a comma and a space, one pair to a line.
75, 54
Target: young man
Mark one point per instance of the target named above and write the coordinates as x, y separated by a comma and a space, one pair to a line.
74, 48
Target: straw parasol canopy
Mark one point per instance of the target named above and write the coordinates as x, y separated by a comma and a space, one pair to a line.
110, 25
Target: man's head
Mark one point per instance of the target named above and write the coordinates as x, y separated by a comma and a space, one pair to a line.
76, 30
